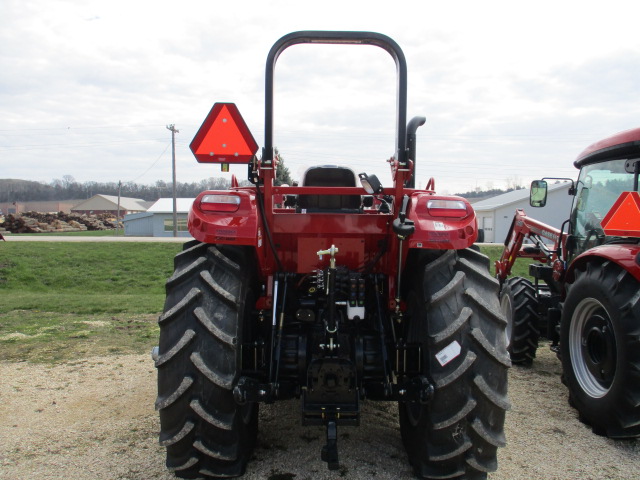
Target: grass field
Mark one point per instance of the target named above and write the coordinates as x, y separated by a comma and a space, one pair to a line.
62, 300
86, 233
520, 268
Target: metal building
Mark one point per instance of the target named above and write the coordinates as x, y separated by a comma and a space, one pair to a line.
495, 214
109, 204
157, 221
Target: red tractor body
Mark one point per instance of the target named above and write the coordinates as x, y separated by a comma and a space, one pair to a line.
330, 293
232, 217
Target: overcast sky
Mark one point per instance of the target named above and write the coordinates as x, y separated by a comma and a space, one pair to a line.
511, 90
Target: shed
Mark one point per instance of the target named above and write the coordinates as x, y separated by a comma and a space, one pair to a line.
495, 214
157, 221
109, 204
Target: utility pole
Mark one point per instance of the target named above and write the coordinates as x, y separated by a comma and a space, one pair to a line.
172, 127
118, 216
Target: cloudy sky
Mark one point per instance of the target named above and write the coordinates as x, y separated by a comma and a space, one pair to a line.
511, 90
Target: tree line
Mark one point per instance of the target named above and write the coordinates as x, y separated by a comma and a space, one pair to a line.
491, 192
67, 188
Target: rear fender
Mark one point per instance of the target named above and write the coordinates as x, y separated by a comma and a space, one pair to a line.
442, 228
241, 226
625, 255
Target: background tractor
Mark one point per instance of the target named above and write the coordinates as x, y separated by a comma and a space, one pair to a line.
334, 294
585, 296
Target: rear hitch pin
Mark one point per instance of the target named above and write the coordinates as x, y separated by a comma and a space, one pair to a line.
330, 450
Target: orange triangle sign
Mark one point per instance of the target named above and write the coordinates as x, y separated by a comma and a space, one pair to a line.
224, 137
623, 220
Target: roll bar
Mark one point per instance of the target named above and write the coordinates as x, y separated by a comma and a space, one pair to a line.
338, 37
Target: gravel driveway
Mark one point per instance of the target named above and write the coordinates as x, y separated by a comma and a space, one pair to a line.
94, 419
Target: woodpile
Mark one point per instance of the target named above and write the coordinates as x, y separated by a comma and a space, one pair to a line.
34, 222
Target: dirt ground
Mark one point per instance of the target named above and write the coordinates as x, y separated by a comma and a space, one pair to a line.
94, 419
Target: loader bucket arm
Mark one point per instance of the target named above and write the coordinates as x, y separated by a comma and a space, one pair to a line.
523, 227
338, 37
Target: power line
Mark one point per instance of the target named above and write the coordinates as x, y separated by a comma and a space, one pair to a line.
87, 127
74, 145
153, 164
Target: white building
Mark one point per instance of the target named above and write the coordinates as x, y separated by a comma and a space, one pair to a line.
495, 214
109, 204
157, 221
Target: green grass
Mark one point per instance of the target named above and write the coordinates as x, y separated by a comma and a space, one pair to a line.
62, 300
85, 233
55, 337
520, 267
108, 272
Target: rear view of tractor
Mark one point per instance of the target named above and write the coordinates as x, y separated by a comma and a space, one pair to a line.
585, 296
333, 294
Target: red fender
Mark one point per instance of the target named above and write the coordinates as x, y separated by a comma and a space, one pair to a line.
626, 255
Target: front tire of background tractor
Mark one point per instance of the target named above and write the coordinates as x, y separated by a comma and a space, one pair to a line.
454, 313
519, 305
209, 300
600, 349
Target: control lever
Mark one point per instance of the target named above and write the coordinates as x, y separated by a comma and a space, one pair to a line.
403, 228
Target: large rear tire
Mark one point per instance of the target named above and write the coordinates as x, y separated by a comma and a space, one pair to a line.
453, 311
208, 304
600, 349
519, 305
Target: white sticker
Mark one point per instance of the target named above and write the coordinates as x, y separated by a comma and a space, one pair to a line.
448, 353
438, 225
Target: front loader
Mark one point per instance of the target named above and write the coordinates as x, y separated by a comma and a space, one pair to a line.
332, 293
585, 294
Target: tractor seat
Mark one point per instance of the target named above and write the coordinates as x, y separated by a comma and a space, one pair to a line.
329, 176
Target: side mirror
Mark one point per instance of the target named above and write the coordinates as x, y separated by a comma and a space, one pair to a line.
538, 193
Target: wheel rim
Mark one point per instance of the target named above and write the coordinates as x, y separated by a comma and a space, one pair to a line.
592, 347
507, 308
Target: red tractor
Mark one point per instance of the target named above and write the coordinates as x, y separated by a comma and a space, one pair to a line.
585, 296
333, 294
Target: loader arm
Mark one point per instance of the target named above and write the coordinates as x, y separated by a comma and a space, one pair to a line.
522, 228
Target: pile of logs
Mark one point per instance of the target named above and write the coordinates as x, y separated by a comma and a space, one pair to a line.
34, 222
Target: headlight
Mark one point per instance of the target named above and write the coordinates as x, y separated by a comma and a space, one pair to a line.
440, 207
219, 203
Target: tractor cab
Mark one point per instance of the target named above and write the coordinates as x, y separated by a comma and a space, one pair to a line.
607, 185
599, 186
